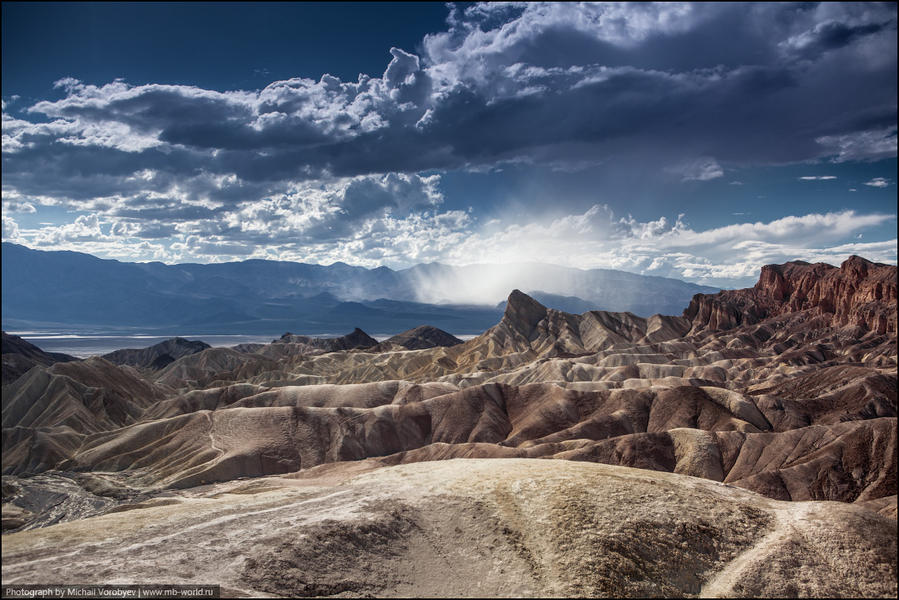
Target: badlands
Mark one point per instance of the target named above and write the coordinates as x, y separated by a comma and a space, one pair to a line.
745, 448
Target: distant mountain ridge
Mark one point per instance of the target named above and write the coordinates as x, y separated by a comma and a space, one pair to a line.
46, 289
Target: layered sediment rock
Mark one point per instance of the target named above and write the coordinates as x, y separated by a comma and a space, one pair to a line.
860, 293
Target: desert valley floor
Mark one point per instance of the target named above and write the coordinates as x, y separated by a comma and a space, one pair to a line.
745, 448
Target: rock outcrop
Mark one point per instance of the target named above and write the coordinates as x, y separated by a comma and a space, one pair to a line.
351, 341
858, 294
418, 338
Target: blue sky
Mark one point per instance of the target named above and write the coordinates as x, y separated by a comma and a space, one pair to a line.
689, 141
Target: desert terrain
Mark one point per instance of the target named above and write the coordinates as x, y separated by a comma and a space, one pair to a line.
747, 447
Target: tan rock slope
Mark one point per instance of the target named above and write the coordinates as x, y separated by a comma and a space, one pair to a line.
484, 528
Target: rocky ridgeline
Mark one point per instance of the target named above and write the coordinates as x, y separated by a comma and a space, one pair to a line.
20, 356
157, 356
859, 293
351, 341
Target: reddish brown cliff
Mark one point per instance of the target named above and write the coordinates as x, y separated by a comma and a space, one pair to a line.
860, 293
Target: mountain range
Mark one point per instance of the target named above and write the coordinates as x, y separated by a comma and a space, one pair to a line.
79, 292
745, 447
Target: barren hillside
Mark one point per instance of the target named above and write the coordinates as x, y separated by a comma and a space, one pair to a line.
716, 435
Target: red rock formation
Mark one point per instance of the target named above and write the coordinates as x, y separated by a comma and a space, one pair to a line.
860, 293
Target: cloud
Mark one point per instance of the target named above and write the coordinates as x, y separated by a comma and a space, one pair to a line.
871, 144
12, 202
702, 169
85, 228
293, 227
817, 177
323, 211
830, 35
878, 182
363, 220
500, 85
10, 230
806, 229
728, 256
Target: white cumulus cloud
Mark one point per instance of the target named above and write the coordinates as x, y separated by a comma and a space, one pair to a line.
10, 229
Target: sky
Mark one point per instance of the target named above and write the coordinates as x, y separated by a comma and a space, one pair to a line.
695, 141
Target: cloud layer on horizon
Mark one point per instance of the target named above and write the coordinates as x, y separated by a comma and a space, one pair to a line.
728, 256
335, 170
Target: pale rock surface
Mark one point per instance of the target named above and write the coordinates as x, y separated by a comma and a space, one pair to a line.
486, 528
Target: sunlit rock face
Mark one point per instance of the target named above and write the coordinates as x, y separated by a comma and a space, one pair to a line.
860, 293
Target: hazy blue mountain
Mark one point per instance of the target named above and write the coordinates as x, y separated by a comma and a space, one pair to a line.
78, 291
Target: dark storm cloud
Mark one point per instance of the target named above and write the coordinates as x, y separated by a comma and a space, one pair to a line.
676, 91
341, 212
172, 211
364, 197
147, 108
483, 96
833, 35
